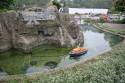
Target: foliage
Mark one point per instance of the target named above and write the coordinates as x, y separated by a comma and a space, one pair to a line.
90, 3
119, 5
87, 20
21, 3
102, 20
57, 4
120, 21
107, 68
70, 3
6, 4
123, 21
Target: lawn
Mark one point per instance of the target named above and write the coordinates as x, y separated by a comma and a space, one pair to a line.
116, 28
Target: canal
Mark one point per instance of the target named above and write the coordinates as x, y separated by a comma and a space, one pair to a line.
47, 57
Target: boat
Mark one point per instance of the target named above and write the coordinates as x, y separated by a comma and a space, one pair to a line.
76, 52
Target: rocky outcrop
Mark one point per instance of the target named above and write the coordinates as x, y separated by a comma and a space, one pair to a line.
14, 33
9, 28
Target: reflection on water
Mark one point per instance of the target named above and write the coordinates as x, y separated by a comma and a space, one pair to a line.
96, 41
2, 73
33, 69
47, 57
42, 58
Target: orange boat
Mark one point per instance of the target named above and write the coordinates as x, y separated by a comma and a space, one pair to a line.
78, 52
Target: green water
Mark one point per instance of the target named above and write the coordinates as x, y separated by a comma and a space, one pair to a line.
15, 62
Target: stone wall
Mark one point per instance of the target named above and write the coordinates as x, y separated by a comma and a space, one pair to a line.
14, 33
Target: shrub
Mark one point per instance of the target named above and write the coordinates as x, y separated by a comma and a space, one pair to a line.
6, 4
57, 4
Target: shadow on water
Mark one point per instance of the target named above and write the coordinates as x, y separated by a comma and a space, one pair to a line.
51, 64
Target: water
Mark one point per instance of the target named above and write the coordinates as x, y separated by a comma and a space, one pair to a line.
96, 41
46, 57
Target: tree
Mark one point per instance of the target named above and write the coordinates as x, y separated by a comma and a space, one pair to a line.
57, 4
119, 5
30, 3
90, 3
6, 4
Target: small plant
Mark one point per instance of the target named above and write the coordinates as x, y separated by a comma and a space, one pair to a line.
102, 20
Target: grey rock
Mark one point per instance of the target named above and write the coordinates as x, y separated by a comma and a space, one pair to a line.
14, 33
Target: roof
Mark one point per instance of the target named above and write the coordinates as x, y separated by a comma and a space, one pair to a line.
87, 10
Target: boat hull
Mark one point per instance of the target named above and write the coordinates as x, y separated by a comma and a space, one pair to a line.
77, 54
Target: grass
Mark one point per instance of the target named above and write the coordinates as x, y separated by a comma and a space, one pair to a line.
115, 30
3, 10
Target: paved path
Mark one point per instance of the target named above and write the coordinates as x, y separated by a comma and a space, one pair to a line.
119, 26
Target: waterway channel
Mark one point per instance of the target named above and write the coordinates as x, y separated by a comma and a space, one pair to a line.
47, 57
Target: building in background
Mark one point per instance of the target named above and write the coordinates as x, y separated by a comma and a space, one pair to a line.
88, 11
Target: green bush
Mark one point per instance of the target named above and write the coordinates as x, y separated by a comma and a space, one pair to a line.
101, 20
120, 21
123, 21
6, 4
57, 4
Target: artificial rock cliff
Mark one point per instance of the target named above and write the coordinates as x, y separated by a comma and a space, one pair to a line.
14, 33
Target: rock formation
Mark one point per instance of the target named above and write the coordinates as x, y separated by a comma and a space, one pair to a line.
14, 33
